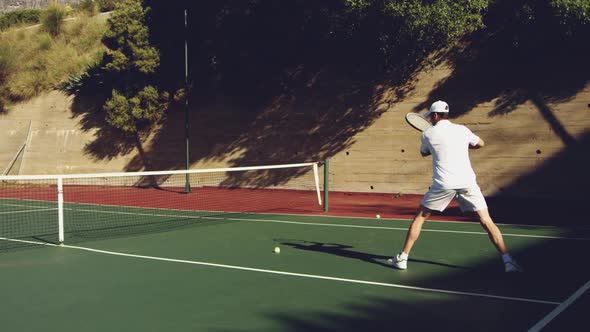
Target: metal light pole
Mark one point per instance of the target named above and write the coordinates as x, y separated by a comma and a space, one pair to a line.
187, 186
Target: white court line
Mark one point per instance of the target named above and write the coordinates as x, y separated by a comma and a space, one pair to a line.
404, 229
338, 217
440, 221
27, 211
353, 218
316, 224
28, 206
37, 208
327, 225
292, 274
562, 306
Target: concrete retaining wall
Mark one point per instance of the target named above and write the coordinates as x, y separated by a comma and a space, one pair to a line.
526, 153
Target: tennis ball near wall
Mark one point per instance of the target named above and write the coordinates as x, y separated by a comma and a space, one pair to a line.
277, 250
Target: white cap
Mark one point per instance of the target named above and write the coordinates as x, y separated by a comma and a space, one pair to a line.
438, 107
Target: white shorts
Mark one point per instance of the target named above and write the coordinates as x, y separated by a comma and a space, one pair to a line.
470, 199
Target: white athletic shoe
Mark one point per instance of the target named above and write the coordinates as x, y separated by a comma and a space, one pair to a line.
398, 262
512, 266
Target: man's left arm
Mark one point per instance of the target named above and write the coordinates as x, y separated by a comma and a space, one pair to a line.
475, 142
480, 144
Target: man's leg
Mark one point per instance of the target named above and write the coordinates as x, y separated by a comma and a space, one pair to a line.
400, 261
493, 230
510, 265
471, 199
433, 200
415, 227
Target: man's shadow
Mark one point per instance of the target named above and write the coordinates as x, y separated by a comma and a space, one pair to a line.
345, 251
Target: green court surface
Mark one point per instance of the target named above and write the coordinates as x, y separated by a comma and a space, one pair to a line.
186, 271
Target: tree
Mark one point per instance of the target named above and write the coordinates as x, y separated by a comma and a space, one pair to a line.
106, 5
405, 32
258, 37
131, 113
573, 12
135, 104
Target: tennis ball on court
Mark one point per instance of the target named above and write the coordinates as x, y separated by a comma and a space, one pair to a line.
378, 216
277, 250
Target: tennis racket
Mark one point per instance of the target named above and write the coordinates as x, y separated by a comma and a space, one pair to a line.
418, 122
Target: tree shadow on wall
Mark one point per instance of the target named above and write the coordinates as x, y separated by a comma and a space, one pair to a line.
555, 191
315, 117
515, 60
258, 96
90, 90
315, 114
266, 92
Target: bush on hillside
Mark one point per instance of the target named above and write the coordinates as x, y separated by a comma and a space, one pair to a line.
7, 60
18, 17
45, 41
32, 60
89, 7
106, 5
52, 19
7, 68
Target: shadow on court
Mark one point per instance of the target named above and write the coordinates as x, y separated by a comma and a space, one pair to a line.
347, 252
553, 272
410, 314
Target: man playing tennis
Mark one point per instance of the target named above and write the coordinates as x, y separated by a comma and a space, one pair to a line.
453, 177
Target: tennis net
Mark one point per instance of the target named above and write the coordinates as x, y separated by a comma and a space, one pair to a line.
72, 208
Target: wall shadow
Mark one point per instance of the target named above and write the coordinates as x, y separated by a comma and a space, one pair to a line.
89, 92
515, 60
268, 93
525, 55
267, 87
262, 91
552, 194
304, 124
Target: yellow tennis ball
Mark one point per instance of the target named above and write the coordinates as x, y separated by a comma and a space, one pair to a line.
378, 216
277, 250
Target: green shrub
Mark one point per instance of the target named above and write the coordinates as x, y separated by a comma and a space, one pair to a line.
84, 33
52, 19
33, 60
89, 7
18, 17
106, 5
45, 42
7, 61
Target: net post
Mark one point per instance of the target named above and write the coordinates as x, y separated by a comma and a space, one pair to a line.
317, 182
60, 209
187, 185
326, 181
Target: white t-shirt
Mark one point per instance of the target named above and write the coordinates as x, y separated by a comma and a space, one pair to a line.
448, 144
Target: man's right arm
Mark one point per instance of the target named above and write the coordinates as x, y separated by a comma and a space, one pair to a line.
424, 150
